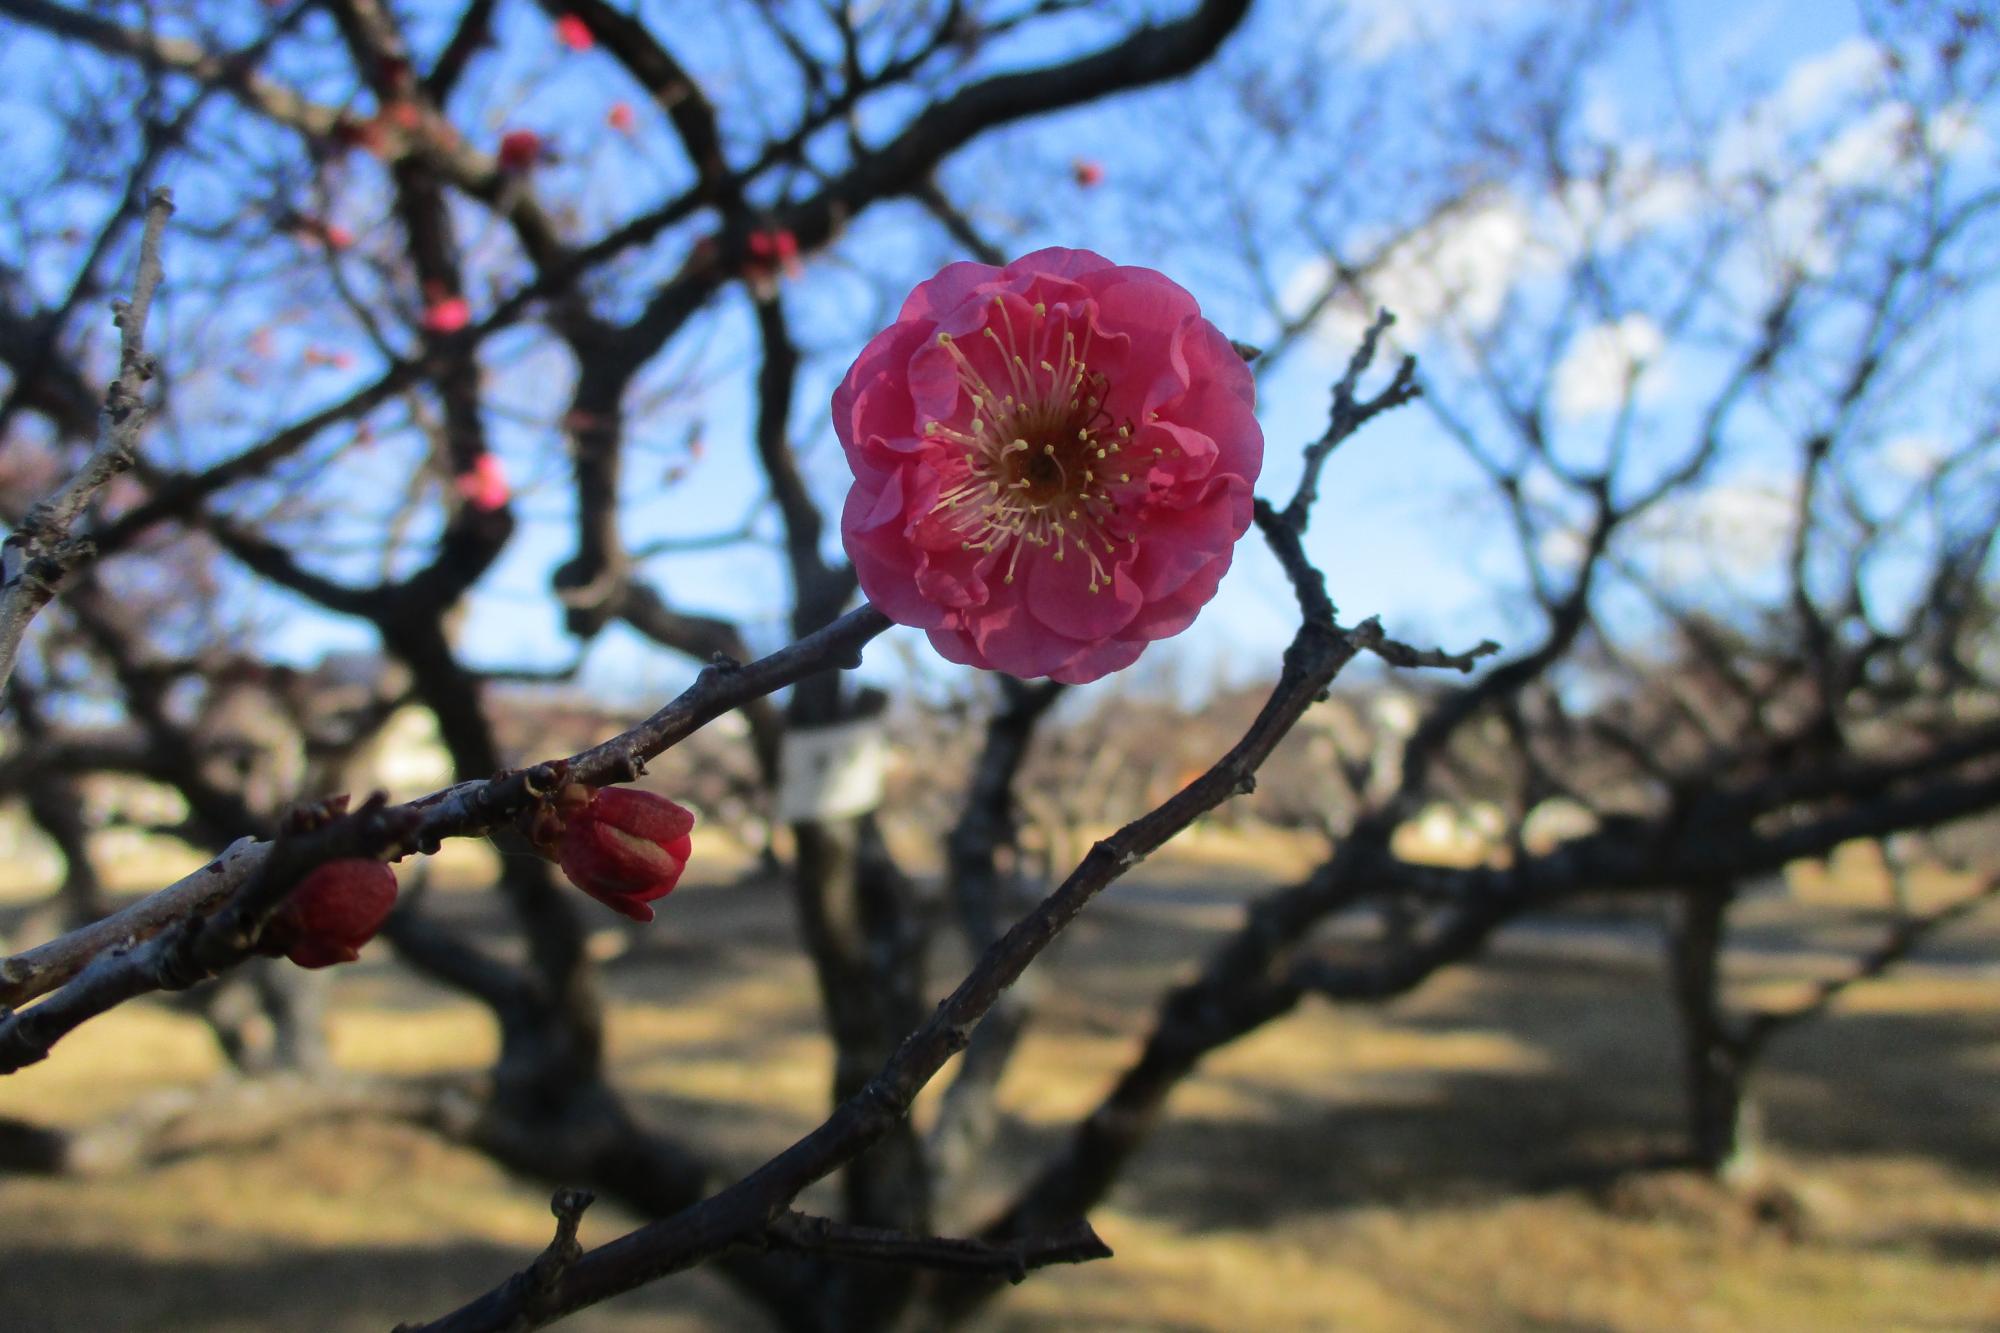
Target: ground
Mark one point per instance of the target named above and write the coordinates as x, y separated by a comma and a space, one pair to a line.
1459, 1159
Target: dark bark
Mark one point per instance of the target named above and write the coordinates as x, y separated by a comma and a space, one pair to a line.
968, 1116
867, 939
1718, 1060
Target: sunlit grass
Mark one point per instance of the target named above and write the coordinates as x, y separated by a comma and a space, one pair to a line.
1447, 1162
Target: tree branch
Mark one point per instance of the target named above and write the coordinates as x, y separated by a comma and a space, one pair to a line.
1013, 1259
41, 554
469, 809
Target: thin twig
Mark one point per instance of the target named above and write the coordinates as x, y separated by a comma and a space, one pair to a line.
1368, 634
40, 555
1350, 414
533, 1286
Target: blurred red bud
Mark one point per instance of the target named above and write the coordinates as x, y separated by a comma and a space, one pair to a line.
770, 251
447, 314
574, 33
620, 117
485, 486
1087, 172
519, 150
333, 912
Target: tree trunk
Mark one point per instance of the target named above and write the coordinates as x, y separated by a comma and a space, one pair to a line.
968, 1113
867, 938
268, 1016
1721, 1120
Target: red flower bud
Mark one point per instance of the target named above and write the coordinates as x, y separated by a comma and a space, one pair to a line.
621, 117
768, 252
1086, 172
625, 847
447, 314
574, 33
485, 486
519, 150
333, 912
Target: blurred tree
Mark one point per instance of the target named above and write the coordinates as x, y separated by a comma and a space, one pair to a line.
1737, 459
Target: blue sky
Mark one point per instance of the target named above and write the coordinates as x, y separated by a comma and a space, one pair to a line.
1399, 532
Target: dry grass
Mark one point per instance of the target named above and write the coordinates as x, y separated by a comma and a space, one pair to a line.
1452, 1161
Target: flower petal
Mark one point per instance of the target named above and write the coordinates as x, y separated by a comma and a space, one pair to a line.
1169, 615
1057, 262
1011, 639
1060, 596
951, 288
1098, 661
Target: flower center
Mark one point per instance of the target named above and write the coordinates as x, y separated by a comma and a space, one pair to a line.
1035, 465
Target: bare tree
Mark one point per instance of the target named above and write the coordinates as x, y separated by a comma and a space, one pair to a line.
1711, 728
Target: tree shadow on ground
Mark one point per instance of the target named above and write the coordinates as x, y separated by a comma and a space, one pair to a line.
1592, 1091
58, 1289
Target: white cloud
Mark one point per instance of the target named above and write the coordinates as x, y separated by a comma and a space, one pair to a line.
1640, 196
1813, 92
1739, 530
1830, 128
1884, 146
1461, 265
1380, 29
1914, 456
1871, 149
1603, 361
1955, 130
1782, 168
1856, 67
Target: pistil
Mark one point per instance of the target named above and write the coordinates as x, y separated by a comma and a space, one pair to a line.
1035, 460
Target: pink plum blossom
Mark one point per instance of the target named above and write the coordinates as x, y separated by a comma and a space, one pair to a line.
485, 486
1052, 463
766, 253
447, 313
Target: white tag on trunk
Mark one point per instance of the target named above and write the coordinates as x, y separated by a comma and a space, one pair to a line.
831, 772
